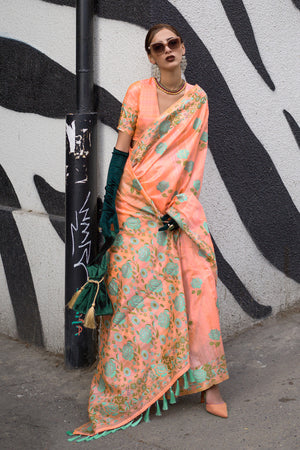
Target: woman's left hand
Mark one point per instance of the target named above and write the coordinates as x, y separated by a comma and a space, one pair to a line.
169, 223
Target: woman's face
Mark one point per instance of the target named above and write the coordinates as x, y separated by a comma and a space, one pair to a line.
169, 59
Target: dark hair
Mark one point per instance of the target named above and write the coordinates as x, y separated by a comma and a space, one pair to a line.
155, 29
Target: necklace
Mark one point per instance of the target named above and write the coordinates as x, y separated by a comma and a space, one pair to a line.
168, 91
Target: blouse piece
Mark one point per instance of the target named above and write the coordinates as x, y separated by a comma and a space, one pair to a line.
140, 108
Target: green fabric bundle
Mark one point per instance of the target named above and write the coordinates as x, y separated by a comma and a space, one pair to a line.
92, 298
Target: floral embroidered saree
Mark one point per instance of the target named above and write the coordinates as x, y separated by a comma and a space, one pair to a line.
164, 337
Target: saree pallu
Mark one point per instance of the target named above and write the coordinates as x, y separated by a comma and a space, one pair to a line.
162, 283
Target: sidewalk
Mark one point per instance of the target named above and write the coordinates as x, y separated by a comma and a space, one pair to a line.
40, 400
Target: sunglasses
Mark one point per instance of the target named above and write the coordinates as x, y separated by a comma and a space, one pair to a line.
159, 47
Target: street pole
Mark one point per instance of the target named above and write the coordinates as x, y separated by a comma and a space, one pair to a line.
81, 191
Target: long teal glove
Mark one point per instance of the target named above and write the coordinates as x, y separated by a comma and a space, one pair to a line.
109, 214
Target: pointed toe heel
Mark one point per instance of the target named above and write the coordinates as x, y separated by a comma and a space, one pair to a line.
217, 409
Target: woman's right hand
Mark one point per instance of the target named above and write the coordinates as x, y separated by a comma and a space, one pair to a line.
169, 224
108, 217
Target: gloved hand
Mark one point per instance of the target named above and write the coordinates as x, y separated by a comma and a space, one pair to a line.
109, 214
169, 223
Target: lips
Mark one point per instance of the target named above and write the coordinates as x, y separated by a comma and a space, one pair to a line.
170, 58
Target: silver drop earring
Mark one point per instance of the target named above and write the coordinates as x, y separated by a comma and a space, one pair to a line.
183, 64
155, 71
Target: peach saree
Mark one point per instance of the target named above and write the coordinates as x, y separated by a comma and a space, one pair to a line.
164, 337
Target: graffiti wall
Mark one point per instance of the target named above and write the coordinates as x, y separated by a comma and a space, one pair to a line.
243, 54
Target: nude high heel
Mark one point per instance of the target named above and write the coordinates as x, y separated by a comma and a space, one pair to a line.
217, 409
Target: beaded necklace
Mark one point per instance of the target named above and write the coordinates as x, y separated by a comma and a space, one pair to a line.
167, 91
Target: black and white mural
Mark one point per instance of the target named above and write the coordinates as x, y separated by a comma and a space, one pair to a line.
243, 54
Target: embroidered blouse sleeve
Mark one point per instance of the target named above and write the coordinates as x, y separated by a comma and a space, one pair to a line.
130, 109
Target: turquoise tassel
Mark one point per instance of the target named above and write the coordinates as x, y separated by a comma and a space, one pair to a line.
138, 421
84, 438
158, 411
177, 392
81, 438
172, 397
147, 418
74, 438
192, 378
185, 381
165, 403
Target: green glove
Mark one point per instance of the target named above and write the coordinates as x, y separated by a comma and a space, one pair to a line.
109, 214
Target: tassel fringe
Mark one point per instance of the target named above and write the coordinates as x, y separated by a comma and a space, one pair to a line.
81, 438
185, 381
165, 403
74, 298
192, 378
177, 392
172, 397
158, 411
147, 418
90, 320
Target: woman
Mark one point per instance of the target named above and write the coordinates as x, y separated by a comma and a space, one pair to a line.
164, 338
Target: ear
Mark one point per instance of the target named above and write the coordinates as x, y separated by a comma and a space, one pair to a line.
183, 49
151, 59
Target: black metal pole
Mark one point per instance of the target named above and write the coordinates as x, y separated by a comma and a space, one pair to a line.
81, 190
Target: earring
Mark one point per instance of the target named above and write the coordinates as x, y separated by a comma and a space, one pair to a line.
183, 63
155, 71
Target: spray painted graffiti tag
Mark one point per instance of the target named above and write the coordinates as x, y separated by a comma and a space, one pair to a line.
80, 232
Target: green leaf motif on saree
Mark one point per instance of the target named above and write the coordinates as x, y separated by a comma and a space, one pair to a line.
136, 301
155, 285
214, 334
164, 127
148, 209
160, 370
101, 385
197, 184
179, 303
133, 223
199, 375
118, 241
110, 369
197, 123
126, 270
162, 238
111, 409
196, 283
205, 225
136, 184
113, 287
182, 198
162, 186
145, 334
204, 136
161, 148
171, 269
182, 154
164, 319
128, 352
144, 253
189, 166
127, 372
119, 318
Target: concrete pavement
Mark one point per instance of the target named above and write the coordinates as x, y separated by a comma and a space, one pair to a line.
40, 400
